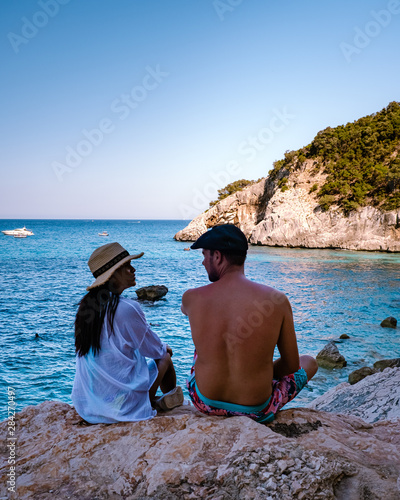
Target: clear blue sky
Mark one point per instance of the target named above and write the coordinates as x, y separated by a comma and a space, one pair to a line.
185, 95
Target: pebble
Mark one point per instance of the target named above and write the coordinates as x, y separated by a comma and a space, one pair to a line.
298, 463
295, 487
282, 465
271, 484
266, 475
254, 468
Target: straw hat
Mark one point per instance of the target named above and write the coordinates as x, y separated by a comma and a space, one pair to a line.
107, 259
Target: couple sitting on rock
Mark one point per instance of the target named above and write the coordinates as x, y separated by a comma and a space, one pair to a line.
235, 323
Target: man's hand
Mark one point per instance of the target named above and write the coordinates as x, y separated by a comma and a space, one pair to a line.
169, 350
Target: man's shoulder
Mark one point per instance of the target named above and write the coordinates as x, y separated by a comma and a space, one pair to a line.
269, 293
194, 296
193, 292
270, 290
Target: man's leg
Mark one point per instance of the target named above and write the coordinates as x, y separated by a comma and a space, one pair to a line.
286, 388
310, 365
166, 378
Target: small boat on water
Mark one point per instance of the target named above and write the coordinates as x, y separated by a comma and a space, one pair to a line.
21, 231
20, 235
104, 233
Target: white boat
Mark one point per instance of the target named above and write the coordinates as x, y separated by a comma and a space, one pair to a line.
20, 235
20, 231
104, 233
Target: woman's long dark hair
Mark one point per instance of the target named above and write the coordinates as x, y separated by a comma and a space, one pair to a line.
90, 316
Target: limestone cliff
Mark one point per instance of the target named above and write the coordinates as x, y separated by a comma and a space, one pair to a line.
305, 454
288, 214
243, 208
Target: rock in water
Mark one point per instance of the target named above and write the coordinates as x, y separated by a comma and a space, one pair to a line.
344, 336
361, 373
330, 357
387, 363
379, 366
153, 292
389, 322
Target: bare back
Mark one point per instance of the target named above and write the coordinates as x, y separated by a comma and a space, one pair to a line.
236, 325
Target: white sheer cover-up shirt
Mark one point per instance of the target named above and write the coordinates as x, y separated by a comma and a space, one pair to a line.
113, 385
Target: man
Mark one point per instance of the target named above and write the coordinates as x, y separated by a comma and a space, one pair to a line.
236, 324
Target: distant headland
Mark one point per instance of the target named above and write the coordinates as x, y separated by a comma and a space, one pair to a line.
340, 191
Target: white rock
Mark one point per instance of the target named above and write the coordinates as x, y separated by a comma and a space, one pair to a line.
155, 457
374, 398
293, 218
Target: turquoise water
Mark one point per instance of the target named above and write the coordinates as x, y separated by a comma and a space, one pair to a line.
42, 277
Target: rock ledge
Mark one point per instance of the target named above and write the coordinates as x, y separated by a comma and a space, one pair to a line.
305, 454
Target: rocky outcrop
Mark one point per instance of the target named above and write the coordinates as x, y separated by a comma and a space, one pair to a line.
387, 363
303, 454
389, 322
374, 398
379, 366
330, 357
152, 292
292, 217
360, 374
243, 208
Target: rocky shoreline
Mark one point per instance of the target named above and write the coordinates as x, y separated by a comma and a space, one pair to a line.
324, 452
290, 216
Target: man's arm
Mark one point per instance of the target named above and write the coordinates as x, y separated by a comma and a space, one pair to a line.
287, 345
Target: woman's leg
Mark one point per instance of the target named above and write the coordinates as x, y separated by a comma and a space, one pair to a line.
166, 378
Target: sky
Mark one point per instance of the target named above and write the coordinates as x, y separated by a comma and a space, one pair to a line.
127, 109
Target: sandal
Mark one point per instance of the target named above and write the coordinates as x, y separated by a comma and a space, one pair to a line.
170, 400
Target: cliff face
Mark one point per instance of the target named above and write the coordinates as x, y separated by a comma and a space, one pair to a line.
243, 208
183, 454
292, 217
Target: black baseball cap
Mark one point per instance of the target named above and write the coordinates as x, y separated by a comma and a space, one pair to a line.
226, 238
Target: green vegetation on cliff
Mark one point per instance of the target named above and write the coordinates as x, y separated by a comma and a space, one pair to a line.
361, 159
230, 189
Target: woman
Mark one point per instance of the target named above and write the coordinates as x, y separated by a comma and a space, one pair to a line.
113, 380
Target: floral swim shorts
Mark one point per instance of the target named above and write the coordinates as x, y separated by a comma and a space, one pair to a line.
283, 391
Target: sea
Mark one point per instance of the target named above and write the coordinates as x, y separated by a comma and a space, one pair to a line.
43, 277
